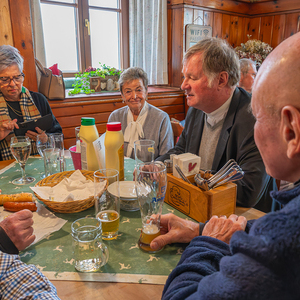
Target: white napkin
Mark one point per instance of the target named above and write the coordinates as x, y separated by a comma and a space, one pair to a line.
45, 222
76, 187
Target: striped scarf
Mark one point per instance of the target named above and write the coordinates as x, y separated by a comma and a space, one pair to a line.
29, 112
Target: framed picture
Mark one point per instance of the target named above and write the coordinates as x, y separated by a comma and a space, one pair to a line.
195, 33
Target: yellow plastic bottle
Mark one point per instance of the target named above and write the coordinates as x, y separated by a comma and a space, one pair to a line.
114, 148
88, 133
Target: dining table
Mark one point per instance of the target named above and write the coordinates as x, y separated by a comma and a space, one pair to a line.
119, 279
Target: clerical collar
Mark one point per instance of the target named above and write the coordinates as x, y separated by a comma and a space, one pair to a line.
219, 114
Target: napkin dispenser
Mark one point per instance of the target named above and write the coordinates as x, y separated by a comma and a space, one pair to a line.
198, 204
189, 164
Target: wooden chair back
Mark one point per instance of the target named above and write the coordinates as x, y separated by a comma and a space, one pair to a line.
177, 129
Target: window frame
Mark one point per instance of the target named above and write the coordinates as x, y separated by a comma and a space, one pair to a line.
83, 38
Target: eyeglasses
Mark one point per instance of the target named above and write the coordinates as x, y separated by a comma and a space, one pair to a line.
17, 79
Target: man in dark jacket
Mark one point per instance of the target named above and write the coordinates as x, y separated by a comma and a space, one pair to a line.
219, 125
226, 262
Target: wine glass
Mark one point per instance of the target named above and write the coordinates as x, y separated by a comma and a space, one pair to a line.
20, 147
44, 142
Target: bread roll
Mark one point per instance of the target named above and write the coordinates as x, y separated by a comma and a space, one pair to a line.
22, 197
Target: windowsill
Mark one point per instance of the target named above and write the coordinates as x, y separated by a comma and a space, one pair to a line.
151, 90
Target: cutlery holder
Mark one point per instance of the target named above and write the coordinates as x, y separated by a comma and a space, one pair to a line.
197, 204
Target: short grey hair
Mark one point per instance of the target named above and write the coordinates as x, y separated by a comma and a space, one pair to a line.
218, 56
245, 65
9, 56
132, 74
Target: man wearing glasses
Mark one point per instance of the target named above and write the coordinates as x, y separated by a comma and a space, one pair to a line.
248, 73
18, 104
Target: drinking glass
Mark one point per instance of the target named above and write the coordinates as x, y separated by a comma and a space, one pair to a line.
107, 201
44, 142
20, 147
144, 151
90, 253
151, 185
59, 145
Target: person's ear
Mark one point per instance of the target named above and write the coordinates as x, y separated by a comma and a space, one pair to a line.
223, 80
290, 119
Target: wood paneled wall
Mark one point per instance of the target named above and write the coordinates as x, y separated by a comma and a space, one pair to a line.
271, 28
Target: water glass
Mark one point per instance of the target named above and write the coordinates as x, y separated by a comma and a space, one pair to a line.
144, 151
44, 142
90, 253
59, 145
107, 201
151, 185
51, 161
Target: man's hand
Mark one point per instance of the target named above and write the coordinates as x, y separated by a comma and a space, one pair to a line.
222, 228
18, 227
174, 230
7, 127
33, 135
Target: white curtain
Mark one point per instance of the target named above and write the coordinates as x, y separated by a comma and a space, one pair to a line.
37, 32
148, 38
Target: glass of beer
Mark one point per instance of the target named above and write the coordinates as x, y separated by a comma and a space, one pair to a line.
107, 201
151, 185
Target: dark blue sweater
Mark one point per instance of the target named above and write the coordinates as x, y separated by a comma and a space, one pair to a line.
263, 264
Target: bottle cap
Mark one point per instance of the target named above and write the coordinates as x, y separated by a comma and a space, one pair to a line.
114, 126
85, 121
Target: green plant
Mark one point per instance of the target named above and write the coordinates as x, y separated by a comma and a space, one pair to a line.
82, 80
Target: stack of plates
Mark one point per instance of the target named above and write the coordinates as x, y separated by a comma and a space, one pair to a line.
128, 198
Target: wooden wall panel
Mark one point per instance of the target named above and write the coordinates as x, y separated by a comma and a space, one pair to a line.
253, 27
242, 36
22, 36
217, 25
275, 6
225, 26
266, 29
6, 37
208, 18
278, 29
292, 24
233, 33
198, 17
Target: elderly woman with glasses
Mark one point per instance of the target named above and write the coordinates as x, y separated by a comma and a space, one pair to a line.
18, 104
139, 119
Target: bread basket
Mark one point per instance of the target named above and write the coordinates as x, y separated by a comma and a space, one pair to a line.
67, 207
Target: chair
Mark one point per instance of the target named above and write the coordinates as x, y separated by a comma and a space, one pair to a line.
177, 129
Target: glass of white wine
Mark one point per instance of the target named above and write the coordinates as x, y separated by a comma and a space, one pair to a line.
44, 142
20, 147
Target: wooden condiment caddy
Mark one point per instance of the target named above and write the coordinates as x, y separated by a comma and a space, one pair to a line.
198, 204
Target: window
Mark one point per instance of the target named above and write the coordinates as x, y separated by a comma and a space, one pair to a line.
83, 33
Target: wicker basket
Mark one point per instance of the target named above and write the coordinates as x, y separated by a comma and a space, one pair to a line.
68, 206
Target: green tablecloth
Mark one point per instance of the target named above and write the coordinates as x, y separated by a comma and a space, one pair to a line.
127, 263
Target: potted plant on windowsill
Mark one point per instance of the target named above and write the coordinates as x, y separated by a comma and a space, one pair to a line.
94, 80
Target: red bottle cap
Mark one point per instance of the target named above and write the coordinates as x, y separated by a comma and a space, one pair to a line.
114, 126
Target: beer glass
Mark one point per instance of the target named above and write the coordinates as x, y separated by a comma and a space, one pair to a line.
151, 185
107, 201
59, 145
144, 151
90, 253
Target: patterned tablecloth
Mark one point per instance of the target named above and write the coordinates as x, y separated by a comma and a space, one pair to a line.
127, 263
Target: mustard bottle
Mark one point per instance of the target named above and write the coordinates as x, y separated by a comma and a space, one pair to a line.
114, 148
88, 133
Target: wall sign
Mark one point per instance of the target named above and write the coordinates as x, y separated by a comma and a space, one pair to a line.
196, 33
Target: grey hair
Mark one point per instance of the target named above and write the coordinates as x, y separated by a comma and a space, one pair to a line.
10, 55
217, 56
132, 74
245, 65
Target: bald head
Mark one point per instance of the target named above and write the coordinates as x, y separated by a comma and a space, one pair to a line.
279, 76
276, 107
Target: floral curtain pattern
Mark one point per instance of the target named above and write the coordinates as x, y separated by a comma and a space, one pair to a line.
148, 38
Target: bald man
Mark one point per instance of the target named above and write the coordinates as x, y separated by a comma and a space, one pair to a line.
227, 261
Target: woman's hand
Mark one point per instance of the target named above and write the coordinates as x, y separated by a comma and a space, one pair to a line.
33, 135
7, 127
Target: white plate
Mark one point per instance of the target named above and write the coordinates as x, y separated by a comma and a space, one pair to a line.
127, 189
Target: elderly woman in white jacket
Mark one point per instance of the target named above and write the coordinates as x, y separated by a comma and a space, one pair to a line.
139, 119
